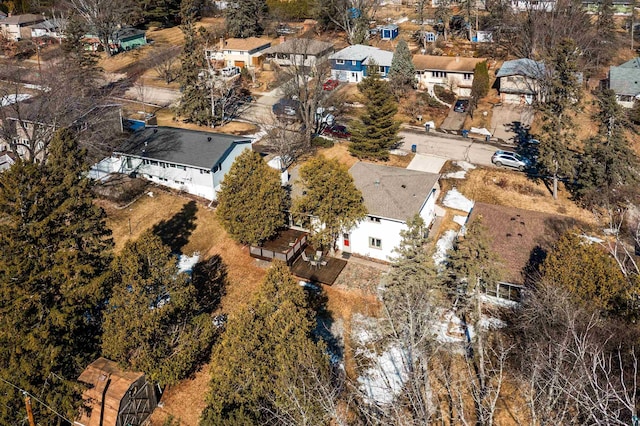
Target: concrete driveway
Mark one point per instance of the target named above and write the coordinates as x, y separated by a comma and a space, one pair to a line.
259, 112
427, 163
508, 119
454, 120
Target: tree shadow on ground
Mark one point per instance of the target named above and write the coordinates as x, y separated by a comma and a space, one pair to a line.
210, 280
176, 231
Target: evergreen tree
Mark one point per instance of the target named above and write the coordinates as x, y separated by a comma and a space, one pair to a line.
331, 197
154, 322
481, 81
608, 163
245, 18
267, 366
54, 252
160, 12
80, 65
195, 103
561, 93
588, 272
376, 131
402, 72
251, 200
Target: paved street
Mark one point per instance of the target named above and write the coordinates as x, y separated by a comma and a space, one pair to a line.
451, 148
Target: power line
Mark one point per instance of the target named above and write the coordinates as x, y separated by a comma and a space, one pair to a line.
37, 400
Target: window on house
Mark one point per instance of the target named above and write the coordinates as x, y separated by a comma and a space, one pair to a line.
339, 61
353, 62
438, 74
375, 242
153, 163
205, 172
468, 76
373, 219
381, 70
181, 167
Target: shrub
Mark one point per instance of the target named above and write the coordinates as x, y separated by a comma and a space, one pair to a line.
444, 94
320, 142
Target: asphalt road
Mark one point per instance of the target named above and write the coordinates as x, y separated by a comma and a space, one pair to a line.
469, 150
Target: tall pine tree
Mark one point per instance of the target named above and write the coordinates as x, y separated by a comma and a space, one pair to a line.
154, 322
54, 253
245, 18
80, 65
251, 200
376, 131
267, 366
402, 72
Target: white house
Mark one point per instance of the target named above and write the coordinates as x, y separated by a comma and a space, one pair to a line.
16, 27
527, 5
53, 28
239, 52
392, 195
624, 80
453, 72
299, 51
519, 80
186, 160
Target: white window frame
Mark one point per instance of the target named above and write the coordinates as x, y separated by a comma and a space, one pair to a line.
339, 61
375, 243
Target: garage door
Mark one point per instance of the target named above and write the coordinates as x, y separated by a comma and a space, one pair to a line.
239, 64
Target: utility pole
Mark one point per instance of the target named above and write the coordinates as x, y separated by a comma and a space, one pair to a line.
27, 403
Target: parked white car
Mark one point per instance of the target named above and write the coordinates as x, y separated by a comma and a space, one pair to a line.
510, 159
230, 71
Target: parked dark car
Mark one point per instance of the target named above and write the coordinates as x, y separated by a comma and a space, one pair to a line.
462, 105
286, 108
330, 85
337, 131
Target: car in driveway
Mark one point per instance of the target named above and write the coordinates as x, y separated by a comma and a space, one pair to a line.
510, 159
330, 85
461, 105
337, 131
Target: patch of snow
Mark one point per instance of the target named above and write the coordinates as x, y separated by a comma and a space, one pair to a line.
498, 301
460, 220
150, 194
186, 263
402, 20
443, 245
460, 174
13, 98
398, 152
309, 286
610, 231
464, 165
591, 239
455, 200
432, 125
492, 323
384, 379
364, 330
481, 131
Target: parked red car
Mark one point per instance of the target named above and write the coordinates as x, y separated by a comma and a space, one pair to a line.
330, 84
337, 131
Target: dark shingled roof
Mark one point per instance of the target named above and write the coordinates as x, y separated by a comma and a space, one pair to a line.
185, 147
520, 237
392, 192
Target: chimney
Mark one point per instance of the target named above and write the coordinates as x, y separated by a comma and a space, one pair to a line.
221, 43
282, 39
457, 58
155, 130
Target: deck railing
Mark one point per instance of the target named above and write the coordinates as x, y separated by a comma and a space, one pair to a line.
289, 256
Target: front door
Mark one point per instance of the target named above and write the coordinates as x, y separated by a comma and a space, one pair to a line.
346, 243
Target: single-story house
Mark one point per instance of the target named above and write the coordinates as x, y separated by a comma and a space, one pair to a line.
53, 28
16, 27
519, 80
455, 72
115, 397
7, 159
520, 238
392, 195
620, 7
188, 160
538, 5
123, 40
624, 80
389, 32
299, 51
351, 63
239, 52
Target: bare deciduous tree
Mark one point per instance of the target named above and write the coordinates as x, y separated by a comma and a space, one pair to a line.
164, 62
102, 16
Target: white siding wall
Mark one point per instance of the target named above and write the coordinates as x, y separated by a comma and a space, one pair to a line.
348, 76
428, 212
226, 164
191, 180
462, 87
387, 231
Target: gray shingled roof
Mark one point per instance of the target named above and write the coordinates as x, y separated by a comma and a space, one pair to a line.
301, 46
26, 18
524, 66
179, 146
634, 63
392, 192
359, 52
624, 80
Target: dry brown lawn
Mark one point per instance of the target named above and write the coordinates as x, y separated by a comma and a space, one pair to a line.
513, 189
166, 118
340, 151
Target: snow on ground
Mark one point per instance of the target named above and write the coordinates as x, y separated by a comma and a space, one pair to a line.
402, 20
13, 98
460, 174
591, 239
455, 200
364, 330
186, 263
464, 165
460, 220
443, 245
498, 301
383, 380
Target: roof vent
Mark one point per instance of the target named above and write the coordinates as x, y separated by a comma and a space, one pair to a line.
403, 186
146, 143
155, 130
209, 138
377, 182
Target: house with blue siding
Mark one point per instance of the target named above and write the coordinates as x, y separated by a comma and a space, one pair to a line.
389, 32
352, 63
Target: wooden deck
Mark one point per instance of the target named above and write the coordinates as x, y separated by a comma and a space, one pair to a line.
326, 274
286, 246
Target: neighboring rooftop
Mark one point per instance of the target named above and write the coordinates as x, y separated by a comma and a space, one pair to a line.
128, 32
625, 79
367, 54
27, 18
185, 147
525, 66
242, 44
50, 24
445, 63
392, 192
520, 238
302, 46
